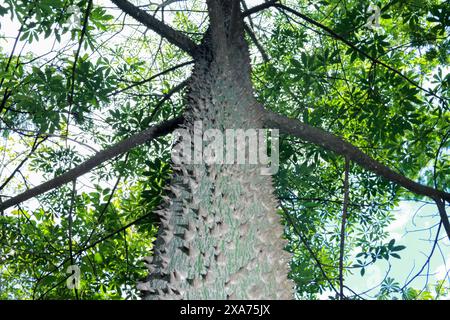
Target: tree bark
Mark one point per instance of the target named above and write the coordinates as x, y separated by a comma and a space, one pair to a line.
220, 236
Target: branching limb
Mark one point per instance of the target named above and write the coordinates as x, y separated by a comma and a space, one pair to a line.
343, 223
102, 156
173, 36
135, 84
334, 143
84, 249
427, 261
105, 206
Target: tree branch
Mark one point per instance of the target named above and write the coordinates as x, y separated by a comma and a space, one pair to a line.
444, 218
102, 156
75, 62
87, 247
70, 222
435, 242
173, 36
343, 223
260, 48
166, 97
33, 148
105, 206
334, 143
311, 252
151, 78
259, 8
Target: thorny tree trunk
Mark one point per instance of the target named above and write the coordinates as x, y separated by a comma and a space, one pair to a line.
220, 236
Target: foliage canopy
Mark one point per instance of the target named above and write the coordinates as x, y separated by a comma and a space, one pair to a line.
73, 82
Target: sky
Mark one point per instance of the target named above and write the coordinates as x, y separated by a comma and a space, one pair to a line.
410, 227
411, 230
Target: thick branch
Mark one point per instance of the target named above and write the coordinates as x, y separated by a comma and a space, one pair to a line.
331, 142
102, 156
444, 218
173, 36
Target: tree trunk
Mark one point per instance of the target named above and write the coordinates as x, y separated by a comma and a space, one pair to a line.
220, 236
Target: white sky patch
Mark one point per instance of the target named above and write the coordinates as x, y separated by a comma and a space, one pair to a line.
441, 272
10, 29
374, 276
403, 215
325, 295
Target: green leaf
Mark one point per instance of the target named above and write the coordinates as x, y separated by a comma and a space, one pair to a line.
98, 257
398, 248
395, 255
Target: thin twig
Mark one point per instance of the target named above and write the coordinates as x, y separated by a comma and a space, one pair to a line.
343, 223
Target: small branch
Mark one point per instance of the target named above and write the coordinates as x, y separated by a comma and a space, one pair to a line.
427, 261
92, 245
7, 92
166, 97
102, 156
75, 62
165, 4
245, 8
343, 222
12, 54
33, 148
71, 211
258, 45
259, 8
334, 143
308, 248
151, 78
105, 206
173, 36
